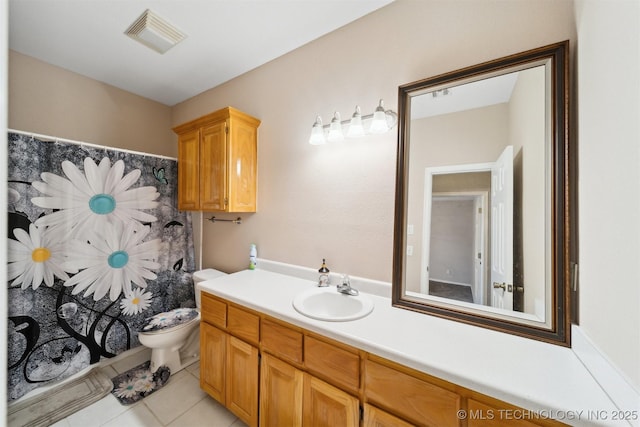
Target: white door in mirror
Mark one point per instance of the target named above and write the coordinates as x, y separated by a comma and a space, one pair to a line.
502, 230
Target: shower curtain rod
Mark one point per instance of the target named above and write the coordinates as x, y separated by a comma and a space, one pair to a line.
88, 144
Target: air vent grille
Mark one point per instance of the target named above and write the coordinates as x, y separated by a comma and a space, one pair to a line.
154, 32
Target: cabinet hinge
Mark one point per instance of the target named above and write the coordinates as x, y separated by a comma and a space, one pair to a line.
226, 129
361, 413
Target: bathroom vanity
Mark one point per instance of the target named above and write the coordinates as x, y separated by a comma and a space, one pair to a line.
270, 365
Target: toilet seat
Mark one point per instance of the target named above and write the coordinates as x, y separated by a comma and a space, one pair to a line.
170, 321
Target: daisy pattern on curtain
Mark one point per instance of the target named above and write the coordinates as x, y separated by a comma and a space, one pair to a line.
114, 258
96, 246
99, 207
34, 258
135, 303
90, 200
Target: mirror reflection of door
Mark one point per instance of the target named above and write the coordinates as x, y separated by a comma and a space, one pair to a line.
469, 247
502, 231
463, 141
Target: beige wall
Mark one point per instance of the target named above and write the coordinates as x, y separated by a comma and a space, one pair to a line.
527, 135
336, 201
609, 183
48, 100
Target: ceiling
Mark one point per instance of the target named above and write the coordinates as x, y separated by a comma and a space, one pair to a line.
462, 97
225, 38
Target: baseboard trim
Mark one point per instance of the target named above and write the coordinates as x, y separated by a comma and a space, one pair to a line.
619, 389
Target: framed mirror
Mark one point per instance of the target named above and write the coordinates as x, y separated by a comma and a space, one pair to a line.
481, 229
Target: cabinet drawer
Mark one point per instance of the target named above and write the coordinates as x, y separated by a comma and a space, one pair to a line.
214, 311
332, 363
281, 341
243, 324
409, 397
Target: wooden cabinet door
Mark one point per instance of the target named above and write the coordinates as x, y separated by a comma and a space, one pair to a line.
327, 406
280, 393
243, 166
374, 417
189, 170
213, 345
242, 380
213, 167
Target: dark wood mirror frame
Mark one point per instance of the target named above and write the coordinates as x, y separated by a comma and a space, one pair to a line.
561, 197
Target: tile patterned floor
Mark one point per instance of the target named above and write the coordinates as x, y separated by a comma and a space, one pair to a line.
180, 403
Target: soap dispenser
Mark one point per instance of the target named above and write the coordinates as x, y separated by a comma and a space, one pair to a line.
253, 257
323, 279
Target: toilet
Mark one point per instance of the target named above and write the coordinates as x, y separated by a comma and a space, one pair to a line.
173, 336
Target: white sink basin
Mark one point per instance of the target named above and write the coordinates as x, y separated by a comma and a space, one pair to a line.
331, 305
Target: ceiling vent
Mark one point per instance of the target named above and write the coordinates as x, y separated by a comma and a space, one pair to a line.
154, 32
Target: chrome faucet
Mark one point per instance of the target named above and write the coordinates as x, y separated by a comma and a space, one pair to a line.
346, 288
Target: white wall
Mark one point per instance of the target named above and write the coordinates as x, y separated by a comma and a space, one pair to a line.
608, 62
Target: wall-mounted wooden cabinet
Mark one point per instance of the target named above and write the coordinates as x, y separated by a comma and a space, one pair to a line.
218, 162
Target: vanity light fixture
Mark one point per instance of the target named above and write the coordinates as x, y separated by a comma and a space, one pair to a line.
442, 92
380, 121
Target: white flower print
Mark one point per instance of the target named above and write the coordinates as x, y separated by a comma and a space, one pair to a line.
144, 375
126, 389
91, 199
145, 386
135, 303
34, 258
113, 259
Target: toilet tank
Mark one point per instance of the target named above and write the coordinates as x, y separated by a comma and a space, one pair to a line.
201, 276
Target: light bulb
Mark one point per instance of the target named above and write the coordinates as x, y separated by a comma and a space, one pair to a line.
379, 121
335, 129
355, 126
317, 133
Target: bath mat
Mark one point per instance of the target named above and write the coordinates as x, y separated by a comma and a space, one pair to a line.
60, 401
138, 383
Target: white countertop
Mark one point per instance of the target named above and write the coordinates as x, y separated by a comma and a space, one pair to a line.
524, 372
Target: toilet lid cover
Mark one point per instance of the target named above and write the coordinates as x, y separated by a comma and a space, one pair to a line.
169, 319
